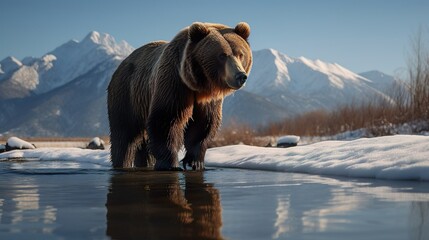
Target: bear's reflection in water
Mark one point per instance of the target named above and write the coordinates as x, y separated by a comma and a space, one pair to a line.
163, 205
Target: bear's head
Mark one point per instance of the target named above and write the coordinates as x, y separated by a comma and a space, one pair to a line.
216, 60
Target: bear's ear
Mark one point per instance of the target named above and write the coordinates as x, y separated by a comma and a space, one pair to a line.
198, 31
243, 30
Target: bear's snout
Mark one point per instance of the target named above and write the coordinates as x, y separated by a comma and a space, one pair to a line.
241, 78
235, 75
237, 80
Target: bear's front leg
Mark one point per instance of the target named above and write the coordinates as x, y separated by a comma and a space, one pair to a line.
165, 129
202, 127
195, 142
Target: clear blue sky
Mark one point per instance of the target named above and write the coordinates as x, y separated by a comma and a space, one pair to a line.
360, 35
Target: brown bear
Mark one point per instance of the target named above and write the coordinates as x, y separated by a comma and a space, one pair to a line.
169, 94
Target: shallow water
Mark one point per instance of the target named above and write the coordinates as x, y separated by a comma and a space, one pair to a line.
56, 200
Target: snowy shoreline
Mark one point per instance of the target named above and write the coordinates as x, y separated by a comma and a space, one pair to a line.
399, 157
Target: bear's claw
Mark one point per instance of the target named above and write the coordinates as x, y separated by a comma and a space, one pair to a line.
192, 164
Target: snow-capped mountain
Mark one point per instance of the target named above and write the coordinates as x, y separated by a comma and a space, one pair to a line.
301, 84
63, 93
78, 108
60, 66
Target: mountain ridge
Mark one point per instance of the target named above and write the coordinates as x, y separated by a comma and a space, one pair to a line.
62, 65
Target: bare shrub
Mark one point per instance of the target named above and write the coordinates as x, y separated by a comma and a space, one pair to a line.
418, 73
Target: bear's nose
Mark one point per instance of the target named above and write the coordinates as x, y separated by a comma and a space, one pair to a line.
241, 78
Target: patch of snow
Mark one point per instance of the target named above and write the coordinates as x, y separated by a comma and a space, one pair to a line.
26, 77
45, 63
15, 142
48, 58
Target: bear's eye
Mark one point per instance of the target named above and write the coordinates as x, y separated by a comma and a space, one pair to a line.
223, 56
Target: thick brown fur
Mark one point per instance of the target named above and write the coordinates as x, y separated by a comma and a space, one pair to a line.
169, 94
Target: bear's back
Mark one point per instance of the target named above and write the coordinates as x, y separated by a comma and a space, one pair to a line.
145, 57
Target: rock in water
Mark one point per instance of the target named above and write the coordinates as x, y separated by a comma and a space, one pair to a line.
96, 143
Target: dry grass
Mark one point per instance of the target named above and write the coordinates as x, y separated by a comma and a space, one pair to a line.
236, 134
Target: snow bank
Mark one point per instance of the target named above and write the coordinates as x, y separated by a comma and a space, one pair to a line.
398, 157
82, 157
394, 157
